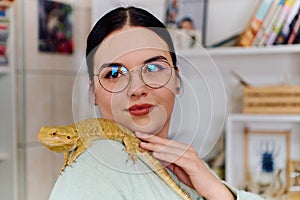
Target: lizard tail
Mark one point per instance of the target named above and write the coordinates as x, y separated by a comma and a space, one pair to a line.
160, 170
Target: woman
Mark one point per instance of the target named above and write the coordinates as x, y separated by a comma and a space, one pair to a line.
134, 80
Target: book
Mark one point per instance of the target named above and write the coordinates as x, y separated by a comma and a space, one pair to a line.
266, 22
269, 26
284, 33
3, 50
294, 27
280, 21
297, 38
255, 23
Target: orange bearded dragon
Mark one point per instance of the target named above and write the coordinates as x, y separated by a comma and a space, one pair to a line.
75, 138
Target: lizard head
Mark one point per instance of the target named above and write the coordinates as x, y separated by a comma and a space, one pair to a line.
58, 138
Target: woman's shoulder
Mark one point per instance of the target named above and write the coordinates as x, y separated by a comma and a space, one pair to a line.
103, 171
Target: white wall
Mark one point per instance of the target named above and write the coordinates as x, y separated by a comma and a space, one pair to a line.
226, 18
156, 7
48, 97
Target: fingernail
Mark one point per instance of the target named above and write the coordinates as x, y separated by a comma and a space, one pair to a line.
137, 133
154, 154
143, 144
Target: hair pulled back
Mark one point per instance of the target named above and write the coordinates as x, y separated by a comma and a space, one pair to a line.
115, 20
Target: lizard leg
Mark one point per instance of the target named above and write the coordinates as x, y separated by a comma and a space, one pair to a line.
131, 147
66, 158
79, 150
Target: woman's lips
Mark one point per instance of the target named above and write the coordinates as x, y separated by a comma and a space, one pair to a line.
140, 109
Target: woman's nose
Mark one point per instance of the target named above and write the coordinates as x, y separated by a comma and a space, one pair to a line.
136, 86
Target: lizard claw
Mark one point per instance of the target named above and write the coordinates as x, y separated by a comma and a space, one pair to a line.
133, 157
131, 147
70, 162
62, 169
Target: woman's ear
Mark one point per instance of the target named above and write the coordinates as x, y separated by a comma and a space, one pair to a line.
178, 82
92, 92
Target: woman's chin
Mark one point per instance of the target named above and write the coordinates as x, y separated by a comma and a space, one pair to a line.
147, 124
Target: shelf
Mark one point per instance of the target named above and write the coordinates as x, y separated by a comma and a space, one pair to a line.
236, 51
264, 118
3, 157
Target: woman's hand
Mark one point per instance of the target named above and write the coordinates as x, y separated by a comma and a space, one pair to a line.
185, 163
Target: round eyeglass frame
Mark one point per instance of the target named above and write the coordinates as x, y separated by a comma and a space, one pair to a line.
141, 77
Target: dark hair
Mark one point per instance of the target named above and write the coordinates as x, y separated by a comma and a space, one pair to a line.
185, 19
117, 19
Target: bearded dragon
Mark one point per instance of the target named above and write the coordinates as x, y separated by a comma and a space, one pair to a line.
75, 138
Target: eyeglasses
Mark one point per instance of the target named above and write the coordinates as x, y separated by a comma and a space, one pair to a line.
115, 77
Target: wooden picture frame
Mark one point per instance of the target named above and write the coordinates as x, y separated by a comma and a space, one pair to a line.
266, 156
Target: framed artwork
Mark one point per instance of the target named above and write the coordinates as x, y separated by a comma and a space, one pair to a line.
55, 27
187, 17
266, 157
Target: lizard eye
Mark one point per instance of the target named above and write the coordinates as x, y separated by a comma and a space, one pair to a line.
54, 133
68, 137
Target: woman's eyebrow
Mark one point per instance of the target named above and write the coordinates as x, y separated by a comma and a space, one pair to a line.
155, 58
111, 64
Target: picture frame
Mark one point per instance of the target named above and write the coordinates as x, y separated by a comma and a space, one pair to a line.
187, 18
55, 27
294, 176
267, 155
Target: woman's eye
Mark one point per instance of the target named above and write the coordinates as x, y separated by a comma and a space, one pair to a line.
154, 67
112, 72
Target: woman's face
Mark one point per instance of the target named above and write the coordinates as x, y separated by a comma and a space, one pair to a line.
138, 107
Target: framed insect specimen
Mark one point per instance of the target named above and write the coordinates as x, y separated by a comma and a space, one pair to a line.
267, 158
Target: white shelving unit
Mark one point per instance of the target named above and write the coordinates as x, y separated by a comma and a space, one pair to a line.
8, 139
258, 66
235, 51
263, 66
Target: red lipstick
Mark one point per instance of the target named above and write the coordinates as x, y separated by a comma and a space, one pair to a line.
140, 109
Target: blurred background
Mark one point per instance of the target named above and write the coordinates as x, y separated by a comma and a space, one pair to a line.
42, 46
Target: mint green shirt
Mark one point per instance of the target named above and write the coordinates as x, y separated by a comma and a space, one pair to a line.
103, 173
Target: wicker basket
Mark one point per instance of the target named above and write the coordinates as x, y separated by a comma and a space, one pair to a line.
282, 99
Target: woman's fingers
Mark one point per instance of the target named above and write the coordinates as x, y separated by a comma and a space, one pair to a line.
167, 150
161, 152
180, 158
159, 140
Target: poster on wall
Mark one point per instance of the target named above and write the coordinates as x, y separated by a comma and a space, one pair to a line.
55, 27
189, 17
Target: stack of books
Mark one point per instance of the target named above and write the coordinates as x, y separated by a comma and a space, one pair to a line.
4, 33
273, 22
